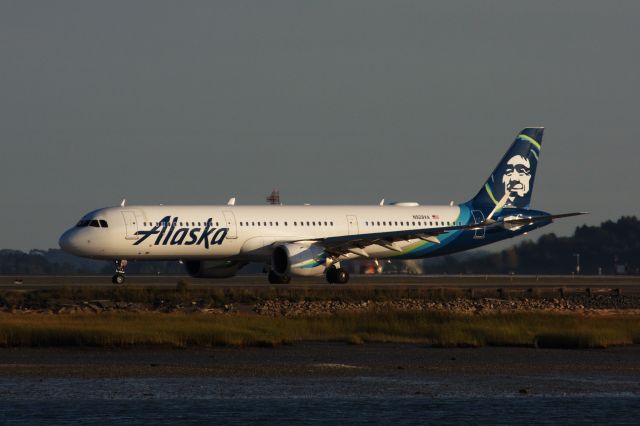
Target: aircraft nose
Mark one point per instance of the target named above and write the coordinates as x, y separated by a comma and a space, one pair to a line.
69, 241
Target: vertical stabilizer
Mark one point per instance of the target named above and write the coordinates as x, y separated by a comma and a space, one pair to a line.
514, 174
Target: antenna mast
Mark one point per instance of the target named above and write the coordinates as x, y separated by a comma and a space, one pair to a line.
274, 198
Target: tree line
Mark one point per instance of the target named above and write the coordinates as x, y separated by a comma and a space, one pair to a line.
610, 248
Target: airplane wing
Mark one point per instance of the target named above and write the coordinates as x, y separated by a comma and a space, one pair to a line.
356, 244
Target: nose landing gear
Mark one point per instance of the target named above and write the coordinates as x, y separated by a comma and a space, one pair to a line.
118, 277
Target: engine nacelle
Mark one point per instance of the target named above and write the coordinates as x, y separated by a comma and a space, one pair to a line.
298, 259
212, 268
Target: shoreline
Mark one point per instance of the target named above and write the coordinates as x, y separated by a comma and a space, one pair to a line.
316, 359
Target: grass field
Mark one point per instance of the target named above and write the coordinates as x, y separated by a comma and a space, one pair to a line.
438, 329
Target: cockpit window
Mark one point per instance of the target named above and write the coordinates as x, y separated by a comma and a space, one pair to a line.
96, 223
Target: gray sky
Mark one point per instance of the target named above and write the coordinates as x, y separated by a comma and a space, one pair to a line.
329, 101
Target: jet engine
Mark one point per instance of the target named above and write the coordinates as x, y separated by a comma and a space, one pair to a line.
213, 268
298, 259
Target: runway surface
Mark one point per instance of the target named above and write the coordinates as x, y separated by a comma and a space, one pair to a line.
628, 284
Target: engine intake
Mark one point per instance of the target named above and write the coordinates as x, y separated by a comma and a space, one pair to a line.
298, 259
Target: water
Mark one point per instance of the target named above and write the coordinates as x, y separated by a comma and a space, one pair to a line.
401, 399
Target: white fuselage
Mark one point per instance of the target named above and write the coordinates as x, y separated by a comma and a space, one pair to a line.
244, 233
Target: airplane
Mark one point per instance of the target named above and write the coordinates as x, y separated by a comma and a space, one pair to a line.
216, 241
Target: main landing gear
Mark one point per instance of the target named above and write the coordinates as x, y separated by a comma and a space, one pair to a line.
118, 278
337, 275
278, 279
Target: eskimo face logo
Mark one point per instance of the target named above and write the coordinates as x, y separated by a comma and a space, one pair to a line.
517, 176
167, 232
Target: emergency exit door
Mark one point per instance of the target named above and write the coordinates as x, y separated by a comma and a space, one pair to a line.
130, 224
230, 219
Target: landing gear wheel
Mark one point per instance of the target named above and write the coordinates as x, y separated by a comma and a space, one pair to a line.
332, 273
337, 276
278, 279
342, 276
118, 279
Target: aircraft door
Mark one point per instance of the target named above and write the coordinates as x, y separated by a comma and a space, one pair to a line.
352, 224
478, 217
230, 219
130, 224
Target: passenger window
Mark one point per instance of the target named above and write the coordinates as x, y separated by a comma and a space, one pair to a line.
103, 223
331, 223
308, 223
285, 224
295, 223
270, 223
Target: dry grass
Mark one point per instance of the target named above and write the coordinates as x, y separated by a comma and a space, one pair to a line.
438, 329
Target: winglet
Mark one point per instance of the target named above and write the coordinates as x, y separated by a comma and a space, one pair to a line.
123, 202
232, 201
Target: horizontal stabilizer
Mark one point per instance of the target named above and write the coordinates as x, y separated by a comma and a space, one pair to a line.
530, 220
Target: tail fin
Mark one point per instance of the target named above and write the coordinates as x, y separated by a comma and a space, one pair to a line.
514, 174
